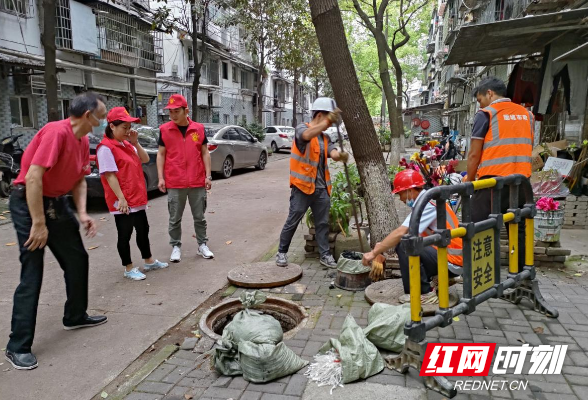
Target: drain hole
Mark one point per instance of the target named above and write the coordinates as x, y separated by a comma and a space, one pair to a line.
286, 322
289, 314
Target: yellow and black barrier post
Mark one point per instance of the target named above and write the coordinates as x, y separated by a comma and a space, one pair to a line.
481, 263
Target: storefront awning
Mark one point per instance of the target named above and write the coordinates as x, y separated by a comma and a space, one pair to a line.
424, 107
486, 44
21, 62
578, 54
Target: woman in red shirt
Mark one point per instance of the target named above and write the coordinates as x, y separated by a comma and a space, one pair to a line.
120, 158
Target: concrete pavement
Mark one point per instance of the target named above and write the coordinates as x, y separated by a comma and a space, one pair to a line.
247, 210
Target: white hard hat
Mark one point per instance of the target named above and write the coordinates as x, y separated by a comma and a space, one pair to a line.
323, 104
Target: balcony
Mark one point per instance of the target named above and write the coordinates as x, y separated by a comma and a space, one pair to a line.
127, 40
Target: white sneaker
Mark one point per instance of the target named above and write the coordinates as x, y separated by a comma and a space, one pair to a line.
176, 255
204, 251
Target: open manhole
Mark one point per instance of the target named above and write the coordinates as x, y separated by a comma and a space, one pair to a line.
290, 315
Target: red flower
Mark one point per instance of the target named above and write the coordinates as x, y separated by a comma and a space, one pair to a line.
426, 147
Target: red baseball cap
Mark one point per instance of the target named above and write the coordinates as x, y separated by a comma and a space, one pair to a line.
121, 114
176, 101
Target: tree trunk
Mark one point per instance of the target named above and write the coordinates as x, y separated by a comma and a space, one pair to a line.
295, 98
399, 93
48, 39
260, 94
390, 99
328, 23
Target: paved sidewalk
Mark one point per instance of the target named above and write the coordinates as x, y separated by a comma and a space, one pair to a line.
187, 374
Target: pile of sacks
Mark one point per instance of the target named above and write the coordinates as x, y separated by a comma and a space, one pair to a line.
355, 355
251, 345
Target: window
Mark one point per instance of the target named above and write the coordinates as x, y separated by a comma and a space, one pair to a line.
214, 76
190, 53
235, 74
232, 134
244, 118
271, 129
21, 112
14, 6
226, 119
236, 118
63, 36
245, 136
63, 108
215, 116
225, 70
244, 80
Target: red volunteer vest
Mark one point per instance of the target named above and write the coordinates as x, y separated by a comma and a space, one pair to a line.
130, 174
184, 167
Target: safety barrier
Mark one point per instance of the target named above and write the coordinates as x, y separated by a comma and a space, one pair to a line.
481, 263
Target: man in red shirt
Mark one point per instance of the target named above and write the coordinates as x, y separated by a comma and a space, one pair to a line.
183, 167
54, 164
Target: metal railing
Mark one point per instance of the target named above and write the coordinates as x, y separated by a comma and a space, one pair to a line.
481, 263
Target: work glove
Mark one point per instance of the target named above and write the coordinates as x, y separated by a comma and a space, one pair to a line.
335, 116
377, 272
343, 157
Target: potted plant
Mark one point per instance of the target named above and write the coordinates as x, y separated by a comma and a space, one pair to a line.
384, 137
549, 220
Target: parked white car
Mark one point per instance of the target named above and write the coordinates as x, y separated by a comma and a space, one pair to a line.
278, 137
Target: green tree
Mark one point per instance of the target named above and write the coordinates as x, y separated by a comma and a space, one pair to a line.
375, 18
330, 32
300, 54
268, 27
191, 18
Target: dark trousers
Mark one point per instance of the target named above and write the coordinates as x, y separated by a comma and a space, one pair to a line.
124, 225
428, 268
320, 204
65, 242
482, 207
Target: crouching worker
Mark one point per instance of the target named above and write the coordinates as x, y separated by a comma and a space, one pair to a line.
408, 184
120, 158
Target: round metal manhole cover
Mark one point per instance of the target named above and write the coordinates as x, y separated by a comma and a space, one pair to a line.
264, 275
291, 316
389, 290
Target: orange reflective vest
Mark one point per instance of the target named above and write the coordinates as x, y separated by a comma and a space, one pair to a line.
455, 247
509, 141
304, 167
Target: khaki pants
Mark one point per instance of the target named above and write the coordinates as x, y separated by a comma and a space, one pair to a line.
176, 203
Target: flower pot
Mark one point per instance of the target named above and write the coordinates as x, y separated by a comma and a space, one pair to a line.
548, 225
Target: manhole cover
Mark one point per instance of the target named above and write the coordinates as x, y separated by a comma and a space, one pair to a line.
290, 315
389, 290
264, 275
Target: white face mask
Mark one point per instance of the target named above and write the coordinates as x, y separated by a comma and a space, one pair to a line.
99, 130
410, 202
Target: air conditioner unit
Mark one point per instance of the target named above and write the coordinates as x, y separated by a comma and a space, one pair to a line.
175, 70
216, 100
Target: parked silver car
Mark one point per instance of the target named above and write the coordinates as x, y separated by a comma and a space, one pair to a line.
233, 147
278, 137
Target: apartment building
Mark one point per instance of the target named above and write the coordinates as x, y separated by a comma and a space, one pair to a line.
536, 47
228, 82
106, 47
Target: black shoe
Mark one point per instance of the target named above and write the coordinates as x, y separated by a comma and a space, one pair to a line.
22, 360
87, 322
